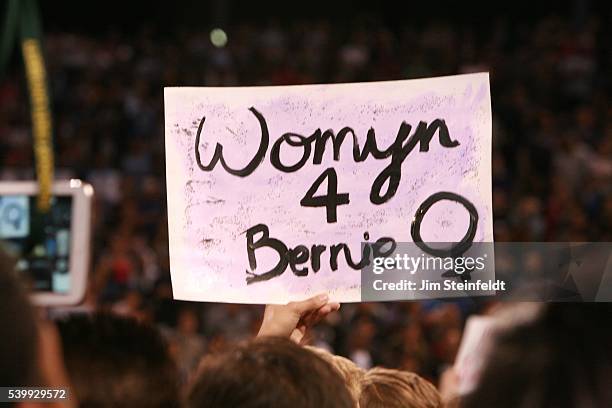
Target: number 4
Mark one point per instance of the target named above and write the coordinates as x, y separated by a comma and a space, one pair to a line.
331, 200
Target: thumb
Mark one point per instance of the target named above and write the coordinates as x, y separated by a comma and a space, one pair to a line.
310, 304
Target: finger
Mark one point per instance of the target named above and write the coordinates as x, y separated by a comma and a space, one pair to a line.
306, 340
335, 306
318, 315
310, 304
306, 318
306, 337
324, 311
312, 317
296, 336
310, 320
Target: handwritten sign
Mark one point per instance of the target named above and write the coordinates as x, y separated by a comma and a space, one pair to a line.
278, 193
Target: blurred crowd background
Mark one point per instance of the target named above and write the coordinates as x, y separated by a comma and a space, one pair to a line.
552, 158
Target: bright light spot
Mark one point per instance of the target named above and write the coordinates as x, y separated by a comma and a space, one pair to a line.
218, 38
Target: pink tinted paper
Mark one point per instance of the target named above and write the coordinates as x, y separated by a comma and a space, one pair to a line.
210, 212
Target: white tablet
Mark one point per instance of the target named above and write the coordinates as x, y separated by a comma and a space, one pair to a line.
52, 248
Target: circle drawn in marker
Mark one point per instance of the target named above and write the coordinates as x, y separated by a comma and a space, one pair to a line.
457, 249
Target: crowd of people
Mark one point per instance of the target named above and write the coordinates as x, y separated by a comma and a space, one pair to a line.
534, 358
552, 158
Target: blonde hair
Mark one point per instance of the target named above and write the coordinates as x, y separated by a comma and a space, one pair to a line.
349, 371
388, 388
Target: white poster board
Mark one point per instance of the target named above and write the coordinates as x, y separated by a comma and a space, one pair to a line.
272, 190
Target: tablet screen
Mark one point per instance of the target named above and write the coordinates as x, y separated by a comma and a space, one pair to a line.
39, 241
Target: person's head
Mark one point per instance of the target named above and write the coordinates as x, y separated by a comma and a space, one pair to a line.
19, 339
388, 388
268, 372
117, 362
558, 357
350, 372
